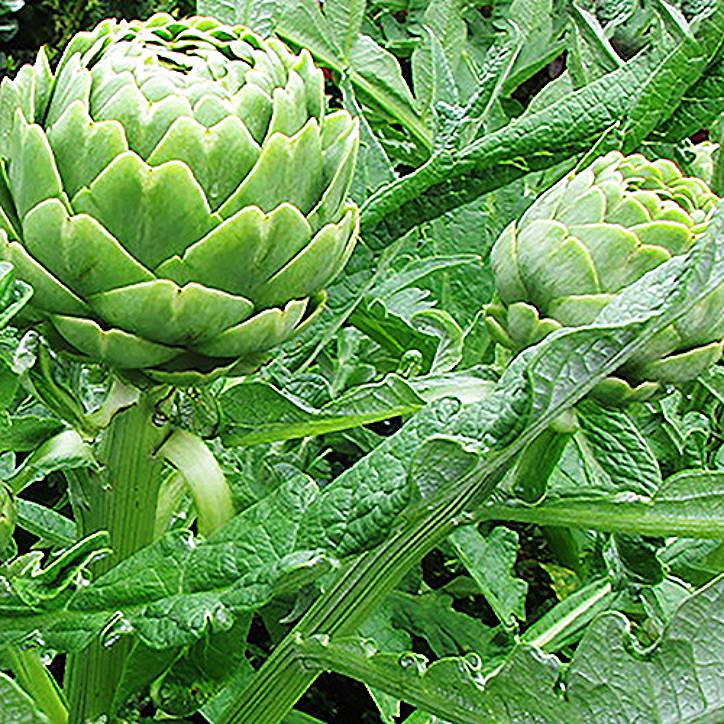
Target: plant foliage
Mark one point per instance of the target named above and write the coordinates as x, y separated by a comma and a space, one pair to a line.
420, 507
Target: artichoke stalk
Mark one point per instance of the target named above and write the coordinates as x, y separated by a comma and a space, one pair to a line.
585, 239
176, 194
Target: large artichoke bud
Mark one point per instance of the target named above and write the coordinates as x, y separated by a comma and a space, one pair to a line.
589, 236
175, 193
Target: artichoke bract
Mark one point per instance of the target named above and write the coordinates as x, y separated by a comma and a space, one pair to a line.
175, 193
588, 237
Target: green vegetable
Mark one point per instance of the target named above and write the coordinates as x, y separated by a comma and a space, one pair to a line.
8, 517
175, 193
587, 238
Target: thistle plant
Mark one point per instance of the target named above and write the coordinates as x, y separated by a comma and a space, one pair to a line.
588, 237
176, 195
185, 534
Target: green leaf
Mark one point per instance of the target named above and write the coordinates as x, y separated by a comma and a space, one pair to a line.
256, 412
490, 560
27, 586
17, 706
608, 454
14, 295
400, 317
634, 99
700, 107
565, 623
200, 672
262, 15
592, 55
436, 56
689, 504
374, 168
440, 459
695, 561
598, 680
540, 24
197, 587
379, 627
431, 616
345, 18
50, 527
64, 451
24, 433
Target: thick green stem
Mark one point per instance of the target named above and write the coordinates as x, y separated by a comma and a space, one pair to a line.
532, 472
283, 678
609, 516
38, 682
121, 498
539, 459
351, 598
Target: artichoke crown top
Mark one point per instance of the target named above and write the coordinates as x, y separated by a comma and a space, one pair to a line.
589, 236
598, 231
176, 193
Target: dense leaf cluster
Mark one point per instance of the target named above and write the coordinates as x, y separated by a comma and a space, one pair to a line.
421, 507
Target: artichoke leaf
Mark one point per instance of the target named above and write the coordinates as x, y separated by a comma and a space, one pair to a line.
240, 254
145, 123
288, 169
113, 346
33, 175
289, 107
79, 251
49, 293
83, 148
676, 369
163, 312
254, 107
315, 265
219, 157
127, 199
72, 85
339, 165
257, 334
553, 263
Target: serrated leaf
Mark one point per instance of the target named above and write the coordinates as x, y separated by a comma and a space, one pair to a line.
608, 454
631, 101
256, 412
524, 688
490, 559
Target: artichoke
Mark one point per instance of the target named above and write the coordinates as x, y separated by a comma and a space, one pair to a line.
175, 193
585, 239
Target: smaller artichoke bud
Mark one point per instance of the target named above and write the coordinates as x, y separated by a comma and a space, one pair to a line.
8, 518
588, 237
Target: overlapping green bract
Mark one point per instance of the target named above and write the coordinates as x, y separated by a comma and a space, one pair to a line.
176, 194
587, 238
